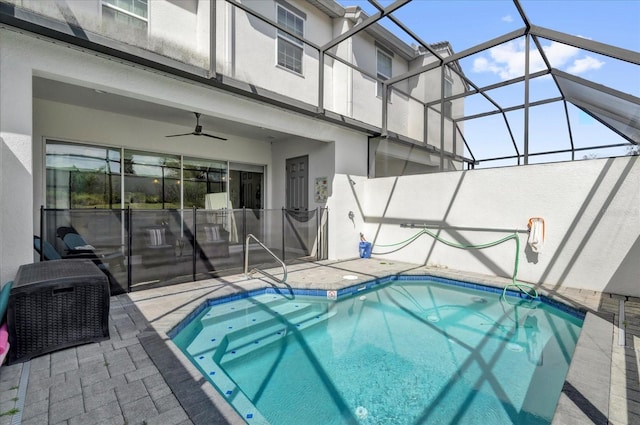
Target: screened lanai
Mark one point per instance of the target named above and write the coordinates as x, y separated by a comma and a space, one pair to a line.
534, 92
537, 88
540, 81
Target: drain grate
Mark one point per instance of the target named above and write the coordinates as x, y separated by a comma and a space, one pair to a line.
22, 393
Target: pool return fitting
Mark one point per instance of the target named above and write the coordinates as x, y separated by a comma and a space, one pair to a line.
525, 288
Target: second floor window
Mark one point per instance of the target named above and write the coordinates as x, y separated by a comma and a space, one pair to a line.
290, 49
131, 12
448, 92
383, 69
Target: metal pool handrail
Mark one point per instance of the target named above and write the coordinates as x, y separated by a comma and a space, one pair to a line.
257, 270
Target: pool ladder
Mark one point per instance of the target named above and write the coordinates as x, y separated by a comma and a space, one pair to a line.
257, 270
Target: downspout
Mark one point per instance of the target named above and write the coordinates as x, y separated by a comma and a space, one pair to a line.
212, 39
228, 59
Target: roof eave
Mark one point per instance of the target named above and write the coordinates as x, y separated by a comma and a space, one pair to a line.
330, 7
381, 34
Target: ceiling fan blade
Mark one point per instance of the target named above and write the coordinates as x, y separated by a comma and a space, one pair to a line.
212, 136
197, 131
184, 134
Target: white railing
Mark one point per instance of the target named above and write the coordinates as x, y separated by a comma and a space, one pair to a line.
256, 270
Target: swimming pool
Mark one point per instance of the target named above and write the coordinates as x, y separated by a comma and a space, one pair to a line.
402, 351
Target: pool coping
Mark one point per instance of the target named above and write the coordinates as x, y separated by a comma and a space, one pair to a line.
333, 295
582, 399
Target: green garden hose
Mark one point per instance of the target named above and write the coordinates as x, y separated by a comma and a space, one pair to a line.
527, 289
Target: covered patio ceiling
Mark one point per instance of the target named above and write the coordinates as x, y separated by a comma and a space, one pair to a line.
93, 98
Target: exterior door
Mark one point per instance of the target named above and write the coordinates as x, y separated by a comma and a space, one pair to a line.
298, 183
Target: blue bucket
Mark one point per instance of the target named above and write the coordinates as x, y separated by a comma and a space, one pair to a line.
365, 249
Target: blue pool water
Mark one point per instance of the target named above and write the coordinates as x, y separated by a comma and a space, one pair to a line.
408, 352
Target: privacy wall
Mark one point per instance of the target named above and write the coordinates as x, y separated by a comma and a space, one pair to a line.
591, 211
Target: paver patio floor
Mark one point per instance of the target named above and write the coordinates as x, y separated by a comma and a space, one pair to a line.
139, 377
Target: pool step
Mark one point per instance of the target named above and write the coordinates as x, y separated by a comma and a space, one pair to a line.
241, 308
244, 342
225, 338
259, 317
229, 390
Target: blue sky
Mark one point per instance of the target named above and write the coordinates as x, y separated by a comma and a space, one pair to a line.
468, 23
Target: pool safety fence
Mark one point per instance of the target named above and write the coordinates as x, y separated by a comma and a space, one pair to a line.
139, 249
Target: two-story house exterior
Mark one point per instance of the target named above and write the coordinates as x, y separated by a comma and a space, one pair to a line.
293, 86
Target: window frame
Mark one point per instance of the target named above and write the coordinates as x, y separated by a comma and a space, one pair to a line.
381, 75
112, 172
448, 92
109, 5
282, 37
218, 172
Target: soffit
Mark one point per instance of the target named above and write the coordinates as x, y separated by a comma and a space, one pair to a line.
70, 94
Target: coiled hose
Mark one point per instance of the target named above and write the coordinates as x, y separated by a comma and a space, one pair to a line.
526, 289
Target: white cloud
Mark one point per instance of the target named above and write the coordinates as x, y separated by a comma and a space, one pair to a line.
507, 60
583, 65
483, 65
560, 54
507, 18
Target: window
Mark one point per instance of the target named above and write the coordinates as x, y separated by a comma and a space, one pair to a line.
133, 13
383, 69
202, 177
448, 92
290, 49
151, 181
82, 176
246, 183
87, 176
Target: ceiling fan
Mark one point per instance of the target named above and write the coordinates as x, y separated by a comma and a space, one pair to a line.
197, 131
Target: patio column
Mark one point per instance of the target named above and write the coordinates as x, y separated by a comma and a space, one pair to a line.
16, 162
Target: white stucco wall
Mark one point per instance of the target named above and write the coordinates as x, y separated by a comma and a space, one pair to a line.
591, 210
254, 48
365, 104
341, 151
176, 29
15, 161
427, 87
321, 164
180, 30
23, 56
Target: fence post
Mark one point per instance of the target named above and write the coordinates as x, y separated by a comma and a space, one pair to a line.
283, 230
325, 244
129, 247
318, 236
41, 232
194, 242
244, 235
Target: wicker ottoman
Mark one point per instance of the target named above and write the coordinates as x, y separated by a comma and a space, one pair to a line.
55, 305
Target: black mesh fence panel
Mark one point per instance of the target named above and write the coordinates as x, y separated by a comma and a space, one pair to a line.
139, 249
